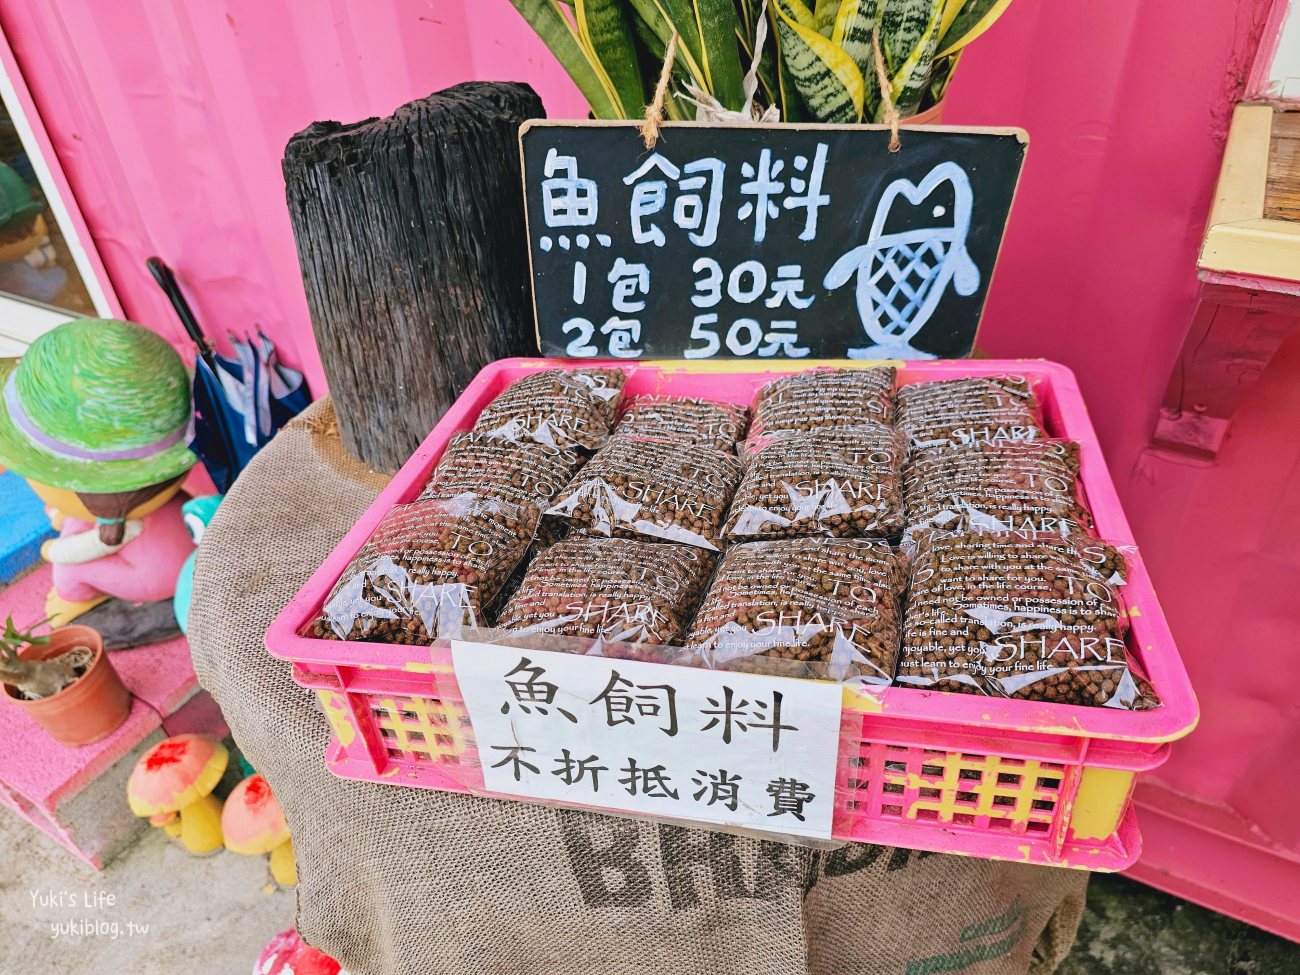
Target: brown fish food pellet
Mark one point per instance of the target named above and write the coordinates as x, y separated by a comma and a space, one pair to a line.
520, 472
1025, 486
618, 590
842, 483
428, 571
557, 407
823, 398
978, 409
1010, 616
686, 419
832, 602
644, 487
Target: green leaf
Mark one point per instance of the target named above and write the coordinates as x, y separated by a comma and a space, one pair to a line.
903, 23
824, 15
826, 77
792, 106
940, 76
773, 71
968, 21
659, 18
716, 21
854, 22
679, 15
605, 35
676, 110
912, 79
800, 12
559, 34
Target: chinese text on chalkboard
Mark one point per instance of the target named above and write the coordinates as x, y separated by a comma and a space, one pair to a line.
769, 242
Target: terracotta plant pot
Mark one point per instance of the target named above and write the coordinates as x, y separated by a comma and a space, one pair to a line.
931, 116
90, 708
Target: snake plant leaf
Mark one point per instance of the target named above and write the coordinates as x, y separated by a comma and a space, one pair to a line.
969, 20
652, 54
605, 34
800, 11
558, 33
940, 75
951, 8
911, 80
792, 106
655, 49
824, 14
661, 18
772, 70
716, 21
903, 23
854, 22
829, 82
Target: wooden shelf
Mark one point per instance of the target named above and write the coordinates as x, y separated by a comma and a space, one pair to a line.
1254, 227
1282, 191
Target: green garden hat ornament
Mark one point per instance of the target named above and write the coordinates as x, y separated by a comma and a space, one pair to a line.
97, 416
96, 405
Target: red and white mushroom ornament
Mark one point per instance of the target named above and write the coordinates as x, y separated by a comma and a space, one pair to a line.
253, 823
288, 954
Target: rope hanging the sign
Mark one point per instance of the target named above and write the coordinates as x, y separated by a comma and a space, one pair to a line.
654, 112
886, 90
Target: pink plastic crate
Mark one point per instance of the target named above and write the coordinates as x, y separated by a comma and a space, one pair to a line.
987, 777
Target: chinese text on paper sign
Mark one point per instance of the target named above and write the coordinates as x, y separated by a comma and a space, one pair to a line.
677, 742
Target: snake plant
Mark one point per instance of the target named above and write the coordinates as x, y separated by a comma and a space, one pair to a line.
817, 61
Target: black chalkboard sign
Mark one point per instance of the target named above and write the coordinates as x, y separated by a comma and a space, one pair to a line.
733, 241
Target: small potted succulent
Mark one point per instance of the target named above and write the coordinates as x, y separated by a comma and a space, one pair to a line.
65, 681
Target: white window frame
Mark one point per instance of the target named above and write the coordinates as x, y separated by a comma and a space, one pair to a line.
22, 321
1275, 71
1284, 71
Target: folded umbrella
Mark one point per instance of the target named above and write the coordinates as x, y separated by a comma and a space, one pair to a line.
267, 393
239, 402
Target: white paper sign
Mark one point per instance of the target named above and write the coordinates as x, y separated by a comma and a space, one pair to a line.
711, 746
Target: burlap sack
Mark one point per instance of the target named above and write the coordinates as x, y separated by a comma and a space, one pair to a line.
397, 880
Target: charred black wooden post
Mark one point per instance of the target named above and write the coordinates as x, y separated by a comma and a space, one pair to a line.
410, 233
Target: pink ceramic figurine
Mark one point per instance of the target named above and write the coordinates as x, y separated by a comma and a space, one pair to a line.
141, 571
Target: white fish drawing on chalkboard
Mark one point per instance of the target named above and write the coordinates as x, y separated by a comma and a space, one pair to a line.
902, 276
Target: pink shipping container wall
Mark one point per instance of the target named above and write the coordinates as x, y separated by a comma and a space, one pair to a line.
170, 119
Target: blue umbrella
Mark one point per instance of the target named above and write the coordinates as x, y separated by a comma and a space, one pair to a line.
239, 402
266, 393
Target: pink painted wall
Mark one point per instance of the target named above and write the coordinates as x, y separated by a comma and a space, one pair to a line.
1127, 120
170, 119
